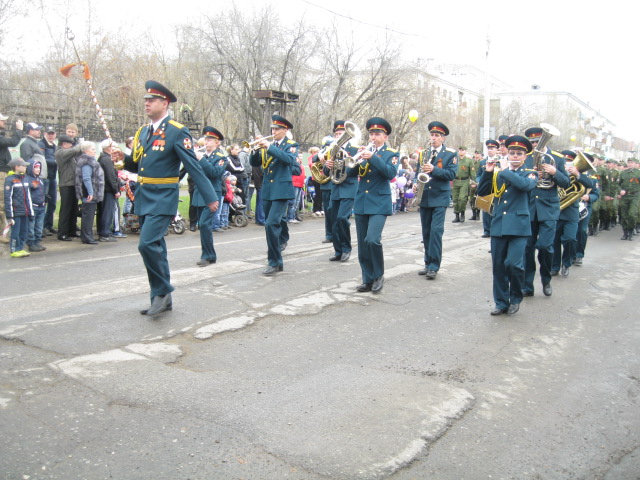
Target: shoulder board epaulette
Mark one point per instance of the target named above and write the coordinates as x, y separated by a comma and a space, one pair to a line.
530, 170
220, 154
289, 142
392, 150
557, 154
593, 176
176, 124
450, 150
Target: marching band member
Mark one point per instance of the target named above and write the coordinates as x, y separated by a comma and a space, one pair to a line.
544, 210
278, 161
510, 224
492, 157
502, 155
213, 163
158, 150
342, 199
583, 225
564, 244
441, 164
373, 202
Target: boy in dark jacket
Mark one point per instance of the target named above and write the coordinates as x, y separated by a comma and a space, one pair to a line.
39, 202
17, 206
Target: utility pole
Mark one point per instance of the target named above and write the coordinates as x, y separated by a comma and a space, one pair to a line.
487, 98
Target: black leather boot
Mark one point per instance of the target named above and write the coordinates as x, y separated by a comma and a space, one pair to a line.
625, 234
461, 217
457, 219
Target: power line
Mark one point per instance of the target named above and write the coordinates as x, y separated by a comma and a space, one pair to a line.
337, 14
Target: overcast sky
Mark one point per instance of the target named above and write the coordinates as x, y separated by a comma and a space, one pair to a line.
586, 48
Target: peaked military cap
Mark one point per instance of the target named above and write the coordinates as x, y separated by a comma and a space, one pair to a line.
519, 142
338, 125
533, 133
212, 132
569, 154
492, 143
378, 124
438, 127
157, 90
502, 138
280, 122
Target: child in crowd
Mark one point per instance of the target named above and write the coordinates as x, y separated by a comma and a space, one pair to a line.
38, 200
17, 206
395, 191
228, 198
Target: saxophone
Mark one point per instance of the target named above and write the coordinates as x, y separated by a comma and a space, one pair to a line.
423, 178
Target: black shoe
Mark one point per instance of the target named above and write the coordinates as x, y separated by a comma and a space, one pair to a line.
423, 271
457, 219
547, 290
498, 311
159, 304
272, 270
527, 294
47, 233
578, 261
205, 263
327, 240
554, 273
73, 235
283, 246
364, 287
485, 235
377, 285
106, 239
91, 242
53, 230
565, 271
64, 238
461, 217
345, 257
513, 308
192, 228
431, 274
335, 258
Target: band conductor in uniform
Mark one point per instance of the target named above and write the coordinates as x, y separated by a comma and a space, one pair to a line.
376, 165
278, 160
158, 150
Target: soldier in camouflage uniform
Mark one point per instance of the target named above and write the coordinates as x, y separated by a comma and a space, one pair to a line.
614, 190
461, 184
598, 214
473, 185
629, 183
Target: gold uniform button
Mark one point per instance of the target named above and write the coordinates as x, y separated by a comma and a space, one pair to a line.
504, 213
271, 181
537, 196
142, 169
368, 181
145, 155
505, 201
366, 191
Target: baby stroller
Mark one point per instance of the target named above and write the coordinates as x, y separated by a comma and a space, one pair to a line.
130, 221
237, 213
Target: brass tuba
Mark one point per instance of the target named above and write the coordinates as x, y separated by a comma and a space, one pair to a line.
576, 190
540, 154
335, 153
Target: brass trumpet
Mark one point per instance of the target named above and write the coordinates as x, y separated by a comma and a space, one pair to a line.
252, 145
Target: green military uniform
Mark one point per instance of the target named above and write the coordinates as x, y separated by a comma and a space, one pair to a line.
629, 183
472, 191
461, 185
599, 213
614, 174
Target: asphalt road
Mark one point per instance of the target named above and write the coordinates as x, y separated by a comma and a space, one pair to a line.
298, 377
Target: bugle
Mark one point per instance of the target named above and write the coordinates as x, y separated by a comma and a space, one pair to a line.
351, 162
